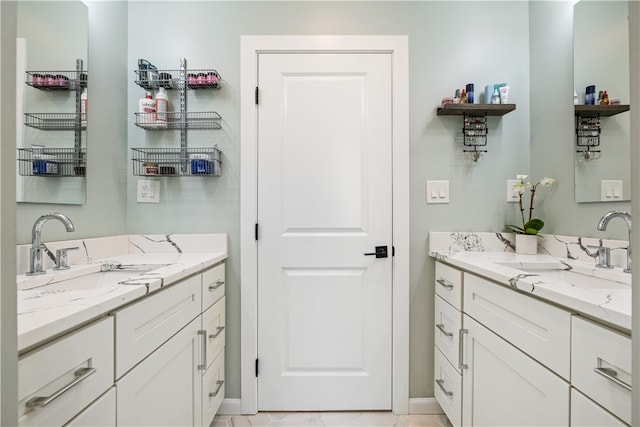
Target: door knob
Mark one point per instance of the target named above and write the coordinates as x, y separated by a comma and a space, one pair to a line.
381, 252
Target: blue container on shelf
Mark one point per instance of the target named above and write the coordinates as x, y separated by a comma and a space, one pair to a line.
200, 164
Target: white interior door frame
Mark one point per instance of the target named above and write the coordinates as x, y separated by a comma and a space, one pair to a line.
251, 46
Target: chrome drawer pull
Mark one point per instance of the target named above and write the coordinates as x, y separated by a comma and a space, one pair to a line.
444, 283
444, 390
215, 393
203, 352
42, 401
218, 332
441, 327
460, 349
216, 285
612, 374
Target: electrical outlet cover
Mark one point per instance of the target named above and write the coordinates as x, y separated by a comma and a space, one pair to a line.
148, 191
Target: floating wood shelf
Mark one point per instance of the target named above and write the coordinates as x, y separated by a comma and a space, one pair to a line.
600, 110
475, 109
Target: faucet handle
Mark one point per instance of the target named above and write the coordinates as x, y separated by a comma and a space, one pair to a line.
604, 256
62, 262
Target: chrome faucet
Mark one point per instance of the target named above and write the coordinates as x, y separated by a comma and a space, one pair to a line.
602, 225
35, 253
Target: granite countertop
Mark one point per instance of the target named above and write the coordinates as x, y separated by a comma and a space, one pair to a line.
49, 305
608, 301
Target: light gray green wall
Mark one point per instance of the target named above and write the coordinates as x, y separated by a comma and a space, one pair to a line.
446, 52
448, 45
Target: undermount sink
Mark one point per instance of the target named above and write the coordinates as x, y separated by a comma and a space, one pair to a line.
578, 279
588, 277
119, 275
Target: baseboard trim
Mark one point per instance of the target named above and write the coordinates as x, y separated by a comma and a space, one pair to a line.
230, 407
417, 406
424, 406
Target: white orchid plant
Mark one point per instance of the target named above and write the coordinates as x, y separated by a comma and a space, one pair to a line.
532, 225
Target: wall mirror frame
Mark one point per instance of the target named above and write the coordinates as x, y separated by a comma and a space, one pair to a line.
601, 58
51, 66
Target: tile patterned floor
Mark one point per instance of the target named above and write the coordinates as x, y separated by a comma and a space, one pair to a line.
329, 419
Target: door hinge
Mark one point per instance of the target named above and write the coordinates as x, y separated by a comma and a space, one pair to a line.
256, 368
256, 95
393, 251
256, 232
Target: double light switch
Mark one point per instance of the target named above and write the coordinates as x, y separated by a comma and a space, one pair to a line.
437, 191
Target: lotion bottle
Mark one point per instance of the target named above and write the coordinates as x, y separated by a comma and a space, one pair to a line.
162, 106
83, 107
147, 110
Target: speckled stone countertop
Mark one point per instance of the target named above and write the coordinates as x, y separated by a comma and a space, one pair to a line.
59, 301
602, 294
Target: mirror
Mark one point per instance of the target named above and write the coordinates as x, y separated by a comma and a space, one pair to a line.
51, 53
601, 58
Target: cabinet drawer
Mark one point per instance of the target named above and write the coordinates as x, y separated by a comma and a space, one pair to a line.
64, 365
447, 388
449, 284
212, 285
586, 413
539, 329
213, 325
448, 322
101, 413
145, 325
212, 389
601, 366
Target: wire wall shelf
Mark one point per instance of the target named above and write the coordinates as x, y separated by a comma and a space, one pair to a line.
178, 79
179, 120
54, 121
176, 161
57, 80
52, 162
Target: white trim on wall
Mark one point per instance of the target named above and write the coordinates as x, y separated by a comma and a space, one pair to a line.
250, 46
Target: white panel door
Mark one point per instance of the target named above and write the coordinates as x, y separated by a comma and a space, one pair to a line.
324, 200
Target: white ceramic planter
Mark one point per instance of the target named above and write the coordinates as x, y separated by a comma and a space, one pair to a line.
526, 244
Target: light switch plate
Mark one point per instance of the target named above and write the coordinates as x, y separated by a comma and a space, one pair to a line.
148, 191
437, 192
610, 189
510, 196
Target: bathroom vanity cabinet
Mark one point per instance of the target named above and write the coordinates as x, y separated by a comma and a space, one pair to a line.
170, 354
505, 358
156, 361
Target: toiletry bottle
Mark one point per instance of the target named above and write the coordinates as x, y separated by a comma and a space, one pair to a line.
83, 107
470, 93
599, 101
463, 97
605, 98
147, 110
495, 99
456, 98
162, 106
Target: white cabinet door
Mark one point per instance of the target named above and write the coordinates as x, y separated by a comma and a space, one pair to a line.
504, 387
162, 389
